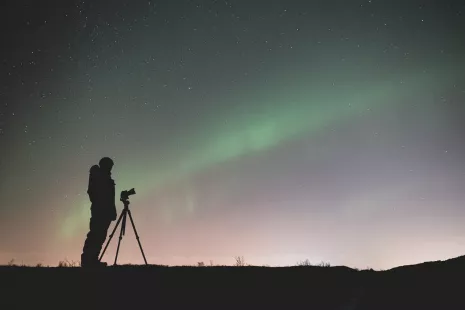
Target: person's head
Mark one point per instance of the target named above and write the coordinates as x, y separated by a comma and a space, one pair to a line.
106, 164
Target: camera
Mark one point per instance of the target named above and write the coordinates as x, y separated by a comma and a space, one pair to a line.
125, 194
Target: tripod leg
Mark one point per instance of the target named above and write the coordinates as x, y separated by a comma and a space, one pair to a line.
121, 232
111, 236
137, 236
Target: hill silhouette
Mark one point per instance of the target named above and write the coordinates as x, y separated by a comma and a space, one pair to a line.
430, 285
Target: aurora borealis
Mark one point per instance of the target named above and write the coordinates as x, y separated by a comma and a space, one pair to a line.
275, 130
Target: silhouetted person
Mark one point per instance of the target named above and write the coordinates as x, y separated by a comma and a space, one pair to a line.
101, 191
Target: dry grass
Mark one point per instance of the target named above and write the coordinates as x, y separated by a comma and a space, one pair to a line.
239, 261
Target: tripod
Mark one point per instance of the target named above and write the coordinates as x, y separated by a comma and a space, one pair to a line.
122, 220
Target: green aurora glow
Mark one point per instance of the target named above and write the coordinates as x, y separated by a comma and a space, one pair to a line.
282, 117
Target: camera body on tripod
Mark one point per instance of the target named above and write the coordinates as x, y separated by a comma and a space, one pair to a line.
125, 194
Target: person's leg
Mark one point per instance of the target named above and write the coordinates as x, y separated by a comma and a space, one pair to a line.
88, 255
104, 224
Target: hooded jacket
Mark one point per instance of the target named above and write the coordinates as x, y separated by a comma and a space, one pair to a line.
101, 191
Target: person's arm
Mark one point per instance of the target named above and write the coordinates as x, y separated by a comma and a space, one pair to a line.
113, 194
113, 198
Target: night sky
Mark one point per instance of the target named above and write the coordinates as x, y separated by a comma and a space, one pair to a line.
274, 130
